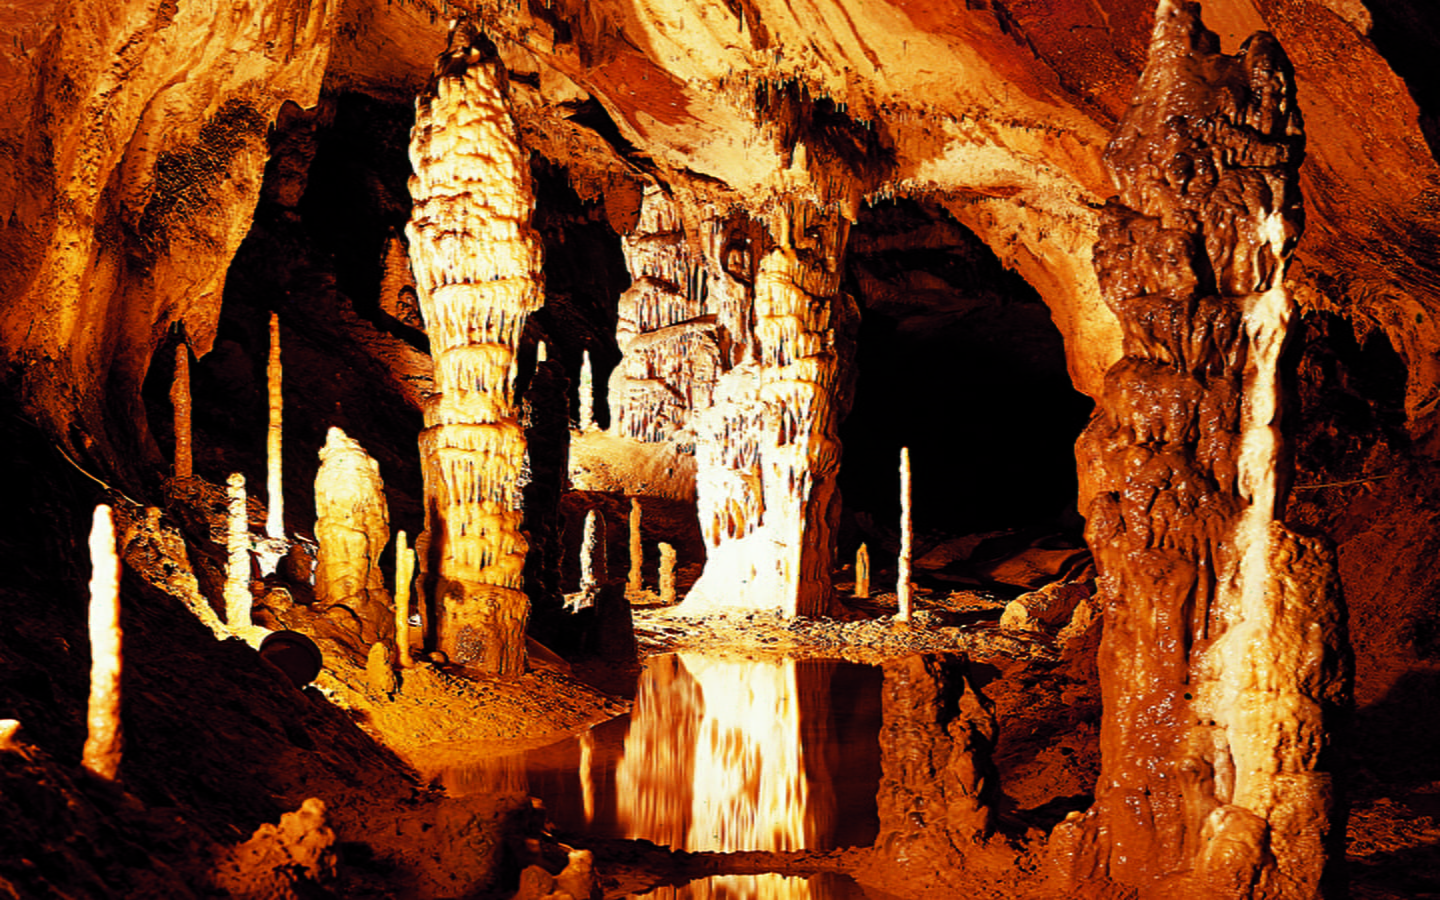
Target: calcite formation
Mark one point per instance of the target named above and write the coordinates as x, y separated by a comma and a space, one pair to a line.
767, 449
352, 526
939, 784
274, 463
476, 263
104, 737
237, 555
903, 587
1223, 662
183, 463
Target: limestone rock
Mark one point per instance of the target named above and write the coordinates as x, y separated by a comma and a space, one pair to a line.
1048, 608
281, 862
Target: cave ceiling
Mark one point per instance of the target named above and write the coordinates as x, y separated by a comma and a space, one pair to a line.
138, 134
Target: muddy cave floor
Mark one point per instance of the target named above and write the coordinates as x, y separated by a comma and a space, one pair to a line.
219, 743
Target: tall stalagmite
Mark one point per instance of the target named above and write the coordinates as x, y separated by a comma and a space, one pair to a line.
476, 263
767, 450
1224, 655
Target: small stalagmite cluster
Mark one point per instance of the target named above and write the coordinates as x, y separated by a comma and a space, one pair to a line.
1223, 660
476, 263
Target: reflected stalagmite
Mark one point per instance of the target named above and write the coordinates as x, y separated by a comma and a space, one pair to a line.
1223, 658
476, 262
352, 526
939, 788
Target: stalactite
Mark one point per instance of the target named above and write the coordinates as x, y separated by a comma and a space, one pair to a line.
667, 574
275, 517
184, 464
404, 575
1224, 656
237, 564
635, 583
862, 572
104, 739
476, 262
907, 540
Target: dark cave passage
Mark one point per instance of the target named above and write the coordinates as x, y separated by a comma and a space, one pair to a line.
958, 359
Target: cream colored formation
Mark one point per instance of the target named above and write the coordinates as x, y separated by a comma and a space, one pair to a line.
104, 739
476, 263
352, 526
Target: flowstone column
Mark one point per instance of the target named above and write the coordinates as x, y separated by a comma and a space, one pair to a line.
1224, 655
767, 450
476, 263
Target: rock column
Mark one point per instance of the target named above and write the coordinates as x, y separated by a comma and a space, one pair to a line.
1224, 654
352, 526
476, 263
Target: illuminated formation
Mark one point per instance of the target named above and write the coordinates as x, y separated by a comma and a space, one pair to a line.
352, 526
104, 739
275, 511
476, 263
1222, 660
767, 450
668, 326
183, 466
237, 556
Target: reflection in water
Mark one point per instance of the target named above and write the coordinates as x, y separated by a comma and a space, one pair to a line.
714, 758
721, 755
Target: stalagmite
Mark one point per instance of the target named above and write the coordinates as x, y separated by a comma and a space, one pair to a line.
767, 449
667, 574
476, 262
862, 572
404, 574
352, 526
237, 558
907, 537
635, 582
1224, 658
104, 739
586, 392
183, 465
592, 552
275, 513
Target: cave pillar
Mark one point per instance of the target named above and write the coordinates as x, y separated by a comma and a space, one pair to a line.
767, 450
1224, 659
476, 262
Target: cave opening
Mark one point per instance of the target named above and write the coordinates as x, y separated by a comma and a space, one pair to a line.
957, 359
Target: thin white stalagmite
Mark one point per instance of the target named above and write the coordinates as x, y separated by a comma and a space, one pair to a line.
237, 558
104, 738
862, 572
635, 582
902, 587
667, 574
404, 574
587, 392
275, 515
592, 551
183, 464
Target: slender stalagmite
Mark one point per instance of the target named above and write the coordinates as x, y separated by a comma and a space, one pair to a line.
586, 392
635, 582
667, 574
275, 514
237, 558
104, 739
592, 552
180, 403
476, 262
907, 538
404, 574
1224, 659
862, 572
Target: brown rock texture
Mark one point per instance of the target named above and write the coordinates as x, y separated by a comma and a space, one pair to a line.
1224, 658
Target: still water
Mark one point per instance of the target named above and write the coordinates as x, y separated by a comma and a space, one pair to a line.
723, 755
